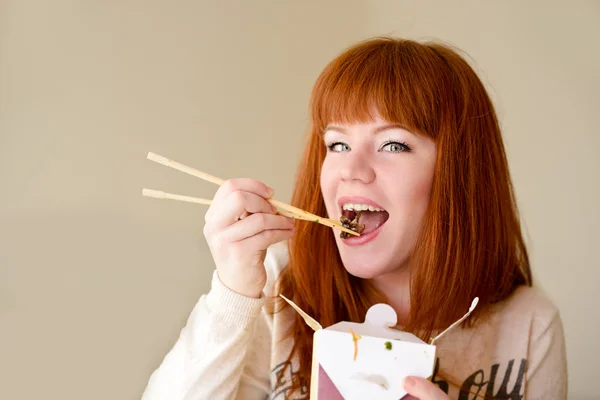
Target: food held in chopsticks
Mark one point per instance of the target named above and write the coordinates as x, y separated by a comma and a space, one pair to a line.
284, 209
362, 218
351, 224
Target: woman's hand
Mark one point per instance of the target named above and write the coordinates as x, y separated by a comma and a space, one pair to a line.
423, 389
240, 225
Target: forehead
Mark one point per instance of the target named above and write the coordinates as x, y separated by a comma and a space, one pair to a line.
375, 126
374, 122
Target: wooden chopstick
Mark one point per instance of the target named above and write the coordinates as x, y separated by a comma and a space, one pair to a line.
218, 181
184, 168
296, 212
159, 194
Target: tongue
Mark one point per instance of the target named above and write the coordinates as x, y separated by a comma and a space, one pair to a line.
370, 219
373, 219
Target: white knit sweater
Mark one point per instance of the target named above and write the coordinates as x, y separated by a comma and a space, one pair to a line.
231, 348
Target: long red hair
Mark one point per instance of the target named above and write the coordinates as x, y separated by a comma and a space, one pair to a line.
470, 243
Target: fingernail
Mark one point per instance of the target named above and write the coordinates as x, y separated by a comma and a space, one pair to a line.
270, 191
409, 382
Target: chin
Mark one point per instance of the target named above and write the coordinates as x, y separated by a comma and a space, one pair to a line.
376, 256
368, 262
365, 269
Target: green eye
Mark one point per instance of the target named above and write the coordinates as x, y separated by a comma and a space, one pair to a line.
395, 147
338, 147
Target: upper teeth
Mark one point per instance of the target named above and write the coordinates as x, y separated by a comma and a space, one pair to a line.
360, 207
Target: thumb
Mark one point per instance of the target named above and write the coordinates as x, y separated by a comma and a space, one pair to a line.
423, 389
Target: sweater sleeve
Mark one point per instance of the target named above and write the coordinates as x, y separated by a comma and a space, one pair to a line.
547, 371
222, 336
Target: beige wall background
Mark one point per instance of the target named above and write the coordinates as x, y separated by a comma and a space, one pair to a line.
96, 281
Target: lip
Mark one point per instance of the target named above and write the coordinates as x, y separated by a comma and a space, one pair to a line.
363, 238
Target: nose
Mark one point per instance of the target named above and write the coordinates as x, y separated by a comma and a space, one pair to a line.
357, 167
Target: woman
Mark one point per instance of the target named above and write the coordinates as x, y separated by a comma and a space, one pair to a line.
406, 134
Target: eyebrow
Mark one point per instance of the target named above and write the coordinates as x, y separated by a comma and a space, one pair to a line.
379, 129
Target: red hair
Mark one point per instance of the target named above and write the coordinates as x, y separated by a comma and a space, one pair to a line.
470, 243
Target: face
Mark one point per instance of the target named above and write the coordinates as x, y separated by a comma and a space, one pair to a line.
383, 173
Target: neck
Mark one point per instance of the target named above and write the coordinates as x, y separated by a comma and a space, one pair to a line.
395, 286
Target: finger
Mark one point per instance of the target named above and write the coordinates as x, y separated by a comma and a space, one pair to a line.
267, 238
255, 224
235, 205
243, 184
245, 214
423, 389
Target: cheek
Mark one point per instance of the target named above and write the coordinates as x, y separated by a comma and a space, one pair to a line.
328, 182
422, 189
413, 193
327, 179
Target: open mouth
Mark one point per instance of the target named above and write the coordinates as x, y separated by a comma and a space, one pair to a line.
362, 218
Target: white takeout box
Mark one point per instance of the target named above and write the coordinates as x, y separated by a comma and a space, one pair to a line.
384, 356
